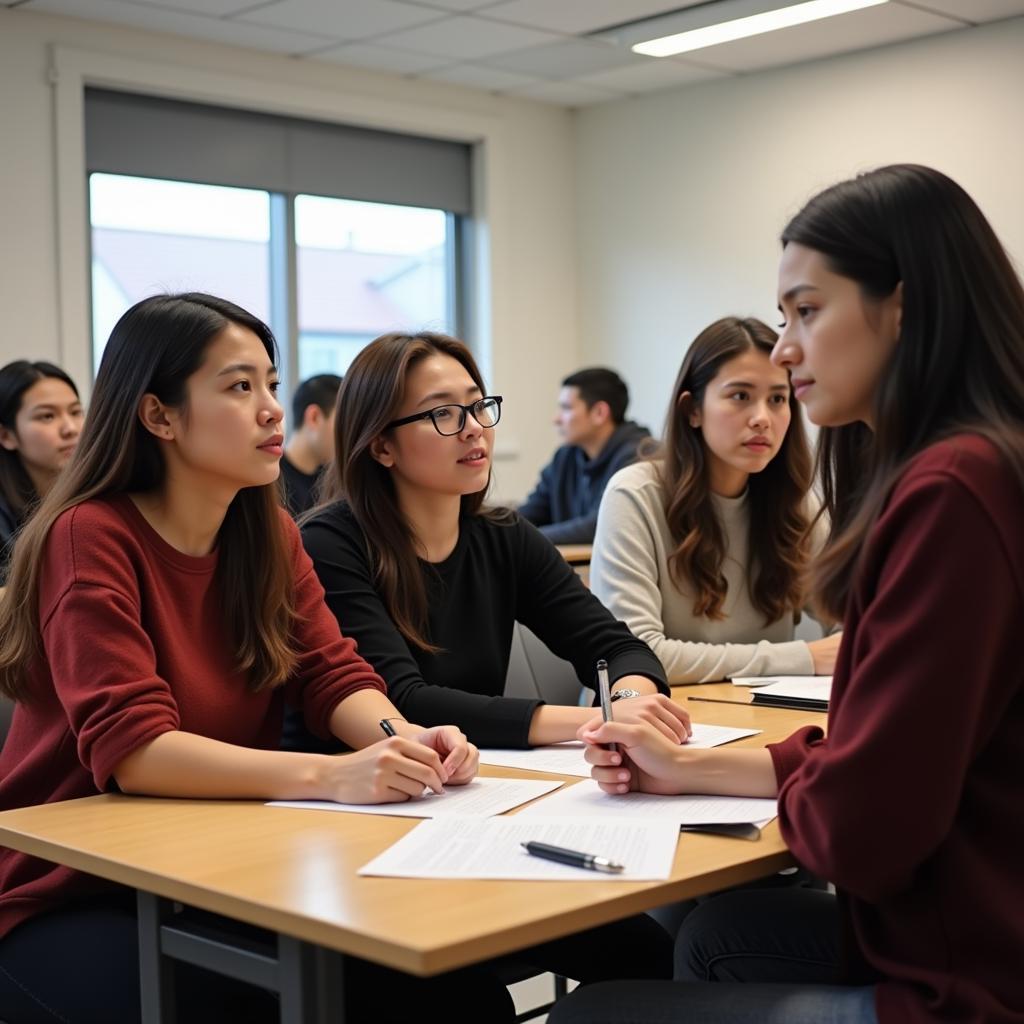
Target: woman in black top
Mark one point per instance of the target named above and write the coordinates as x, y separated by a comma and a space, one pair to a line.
430, 583
40, 420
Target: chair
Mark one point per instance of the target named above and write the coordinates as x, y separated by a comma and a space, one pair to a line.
533, 671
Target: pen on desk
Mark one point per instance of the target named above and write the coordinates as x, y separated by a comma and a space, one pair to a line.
389, 729
605, 696
573, 857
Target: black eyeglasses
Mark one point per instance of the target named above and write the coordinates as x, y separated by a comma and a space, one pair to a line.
451, 419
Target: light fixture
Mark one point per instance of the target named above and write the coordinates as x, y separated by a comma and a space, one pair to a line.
755, 24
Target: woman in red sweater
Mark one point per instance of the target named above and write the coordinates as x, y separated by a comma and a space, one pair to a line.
904, 338
160, 610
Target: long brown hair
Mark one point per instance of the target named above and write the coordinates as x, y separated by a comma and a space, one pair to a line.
959, 363
154, 348
778, 541
371, 394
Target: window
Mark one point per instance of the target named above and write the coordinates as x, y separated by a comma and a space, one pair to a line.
332, 234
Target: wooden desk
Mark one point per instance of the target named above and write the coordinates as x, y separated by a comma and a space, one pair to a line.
576, 554
294, 873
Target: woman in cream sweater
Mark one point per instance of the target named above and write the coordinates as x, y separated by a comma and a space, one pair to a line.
701, 550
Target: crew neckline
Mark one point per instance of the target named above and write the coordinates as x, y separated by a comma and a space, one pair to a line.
153, 540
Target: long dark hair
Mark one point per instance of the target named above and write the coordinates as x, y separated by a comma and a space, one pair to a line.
154, 348
958, 365
16, 487
778, 529
370, 396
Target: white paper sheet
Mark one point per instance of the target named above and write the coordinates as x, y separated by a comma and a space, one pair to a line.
816, 683
490, 848
567, 758
585, 799
480, 798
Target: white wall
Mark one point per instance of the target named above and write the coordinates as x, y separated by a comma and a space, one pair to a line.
529, 319
682, 195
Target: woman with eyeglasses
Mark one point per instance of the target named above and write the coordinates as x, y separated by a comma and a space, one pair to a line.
430, 582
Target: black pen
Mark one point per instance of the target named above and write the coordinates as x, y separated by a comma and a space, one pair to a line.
573, 857
389, 729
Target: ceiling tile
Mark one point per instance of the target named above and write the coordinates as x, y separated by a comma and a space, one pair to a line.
646, 77
974, 10
568, 94
459, 5
466, 38
567, 59
480, 77
197, 26
379, 58
344, 19
213, 8
873, 26
575, 16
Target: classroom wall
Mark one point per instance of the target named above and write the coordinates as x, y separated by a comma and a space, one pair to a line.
682, 195
528, 302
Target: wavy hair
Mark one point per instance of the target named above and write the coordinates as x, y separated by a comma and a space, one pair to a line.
777, 496
959, 363
154, 349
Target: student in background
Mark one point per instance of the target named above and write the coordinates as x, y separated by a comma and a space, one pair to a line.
701, 550
159, 609
40, 420
599, 440
904, 338
311, 444
430, 583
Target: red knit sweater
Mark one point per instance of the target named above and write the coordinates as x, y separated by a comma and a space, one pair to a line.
914, 805
134, 646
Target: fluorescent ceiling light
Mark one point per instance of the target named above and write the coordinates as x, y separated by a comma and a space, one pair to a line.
739, 28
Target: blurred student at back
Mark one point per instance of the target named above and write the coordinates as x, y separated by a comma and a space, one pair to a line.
599, 441
40, 420
311, 444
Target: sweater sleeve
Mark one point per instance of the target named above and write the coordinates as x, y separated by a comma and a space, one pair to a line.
343, 566
578, 530
101, 660
923, 689
569, 619
328, 667
537, 507
625, 574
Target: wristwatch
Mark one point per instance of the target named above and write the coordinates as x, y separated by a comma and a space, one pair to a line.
623, 693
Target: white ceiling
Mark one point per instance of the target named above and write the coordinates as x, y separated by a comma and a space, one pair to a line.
568, 52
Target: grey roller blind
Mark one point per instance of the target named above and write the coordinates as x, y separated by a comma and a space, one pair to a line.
157, 138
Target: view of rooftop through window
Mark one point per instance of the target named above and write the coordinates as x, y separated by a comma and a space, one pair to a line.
362, 268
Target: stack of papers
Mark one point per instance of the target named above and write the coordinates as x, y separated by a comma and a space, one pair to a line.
491, 848
567, 758
807, 693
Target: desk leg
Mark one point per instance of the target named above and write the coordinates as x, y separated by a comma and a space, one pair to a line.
156, 972
312, 983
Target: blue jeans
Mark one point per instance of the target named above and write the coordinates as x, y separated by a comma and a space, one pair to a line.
772, 955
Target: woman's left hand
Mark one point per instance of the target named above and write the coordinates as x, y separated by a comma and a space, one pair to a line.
459, 757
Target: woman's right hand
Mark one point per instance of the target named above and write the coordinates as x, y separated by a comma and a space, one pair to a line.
390, 771
646, 759
824, 652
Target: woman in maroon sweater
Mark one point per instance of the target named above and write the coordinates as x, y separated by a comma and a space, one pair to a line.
904, 338
159, 611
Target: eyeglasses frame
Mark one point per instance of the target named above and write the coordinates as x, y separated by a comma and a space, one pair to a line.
467, 410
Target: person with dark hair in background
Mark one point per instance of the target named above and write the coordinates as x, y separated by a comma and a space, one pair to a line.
599, 441
310, 446
904, 340
40, 420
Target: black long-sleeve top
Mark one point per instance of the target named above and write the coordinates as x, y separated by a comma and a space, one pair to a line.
499, 573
